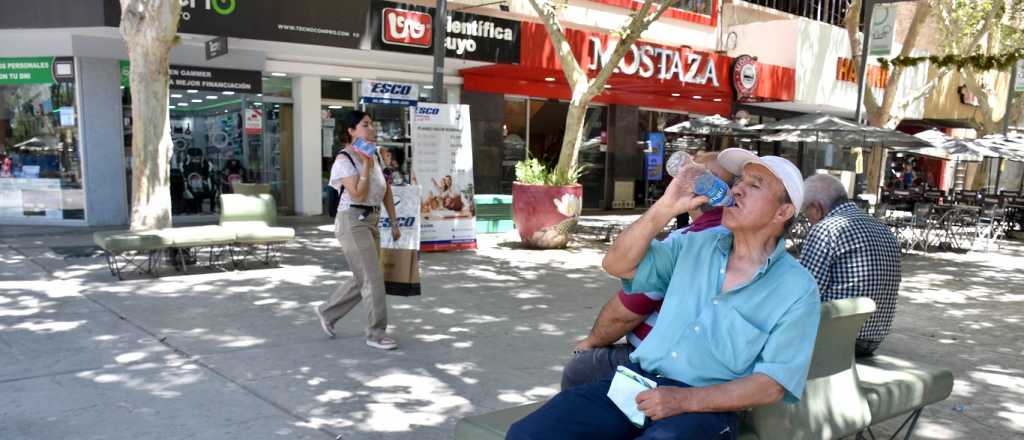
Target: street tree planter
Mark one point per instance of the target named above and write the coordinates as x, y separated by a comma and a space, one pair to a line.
546, 216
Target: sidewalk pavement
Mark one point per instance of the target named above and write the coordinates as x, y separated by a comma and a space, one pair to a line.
239, 354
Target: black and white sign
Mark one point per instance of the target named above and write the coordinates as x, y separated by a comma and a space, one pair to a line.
389, 92
203, 78
319, 22
216, 47
401, 27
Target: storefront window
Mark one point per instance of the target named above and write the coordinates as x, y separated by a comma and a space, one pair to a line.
513, 132
594, 156
547, 125
827, 157
217, 135
277, 147
702, 7
1013, 172
391, 122
790, 151
40, 166
217, 143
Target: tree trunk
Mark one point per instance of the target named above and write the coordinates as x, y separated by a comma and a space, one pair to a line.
575, 119
149, 28
583, 88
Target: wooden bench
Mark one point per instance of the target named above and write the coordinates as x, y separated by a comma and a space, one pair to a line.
836, 402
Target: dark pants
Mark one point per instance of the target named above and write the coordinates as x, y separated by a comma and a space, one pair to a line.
594, 365
586, 413
865, 349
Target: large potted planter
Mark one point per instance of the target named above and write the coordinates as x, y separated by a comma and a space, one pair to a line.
544, 215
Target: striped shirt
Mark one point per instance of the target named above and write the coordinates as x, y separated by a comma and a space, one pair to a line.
649, 303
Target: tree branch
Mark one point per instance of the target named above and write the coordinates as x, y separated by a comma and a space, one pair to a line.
921, 12
548, 14
852, 23
631, 32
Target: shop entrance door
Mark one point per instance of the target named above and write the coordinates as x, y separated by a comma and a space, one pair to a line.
277, 142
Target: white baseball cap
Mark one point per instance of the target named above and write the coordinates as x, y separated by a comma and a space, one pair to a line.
734, 159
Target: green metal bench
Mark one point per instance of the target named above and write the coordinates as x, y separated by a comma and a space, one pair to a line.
248, 227
253, 221
835, 403
140, 250
900, 388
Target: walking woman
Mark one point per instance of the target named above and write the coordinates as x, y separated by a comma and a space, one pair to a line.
357, 175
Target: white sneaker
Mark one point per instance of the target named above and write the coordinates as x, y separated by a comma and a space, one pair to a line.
384, 343
326, 326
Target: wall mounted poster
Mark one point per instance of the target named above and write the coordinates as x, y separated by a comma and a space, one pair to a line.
443, 165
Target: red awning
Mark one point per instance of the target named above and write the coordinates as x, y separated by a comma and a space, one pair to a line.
650, 75
549, 83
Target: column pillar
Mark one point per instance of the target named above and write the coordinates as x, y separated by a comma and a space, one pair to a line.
307, 162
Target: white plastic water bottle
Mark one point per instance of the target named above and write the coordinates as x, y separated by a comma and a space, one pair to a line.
676, 162
703, 183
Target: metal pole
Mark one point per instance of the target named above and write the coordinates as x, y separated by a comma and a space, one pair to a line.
1009, 98
440, 35
869, 6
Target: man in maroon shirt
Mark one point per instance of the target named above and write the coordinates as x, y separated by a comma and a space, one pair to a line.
631, 314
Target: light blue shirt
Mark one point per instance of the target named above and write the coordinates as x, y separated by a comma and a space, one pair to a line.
705, 337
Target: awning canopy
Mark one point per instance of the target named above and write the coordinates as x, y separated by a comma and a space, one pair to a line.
550, 83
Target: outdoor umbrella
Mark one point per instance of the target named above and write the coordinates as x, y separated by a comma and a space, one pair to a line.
708, 125
830, 129
945, 147
1010, 147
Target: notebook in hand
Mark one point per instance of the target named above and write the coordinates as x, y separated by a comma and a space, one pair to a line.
626, 384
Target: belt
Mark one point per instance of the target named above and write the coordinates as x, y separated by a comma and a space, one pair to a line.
366, 208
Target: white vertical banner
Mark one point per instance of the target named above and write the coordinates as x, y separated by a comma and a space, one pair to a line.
407, 210
442, 150
1018, 81
883, 29
399, 260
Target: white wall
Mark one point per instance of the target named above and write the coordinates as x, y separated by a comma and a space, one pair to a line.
769, 41
818, 49
814, 53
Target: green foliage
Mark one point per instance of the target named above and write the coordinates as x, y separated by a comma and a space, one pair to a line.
977, 61
982, 35
532, 172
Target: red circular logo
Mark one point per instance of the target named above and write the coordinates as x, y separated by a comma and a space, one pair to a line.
744, 76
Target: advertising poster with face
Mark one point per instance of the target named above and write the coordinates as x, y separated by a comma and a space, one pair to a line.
443, 165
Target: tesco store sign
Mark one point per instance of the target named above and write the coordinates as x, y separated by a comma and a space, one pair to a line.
388, 92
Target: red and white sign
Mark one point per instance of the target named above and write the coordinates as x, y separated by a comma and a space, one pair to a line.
648, 60
744, 76
406, 28
650, 75
253, 121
